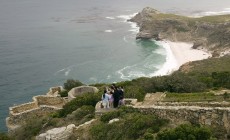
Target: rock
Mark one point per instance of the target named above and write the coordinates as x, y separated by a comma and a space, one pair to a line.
149, 10
61, 133
113, 120
144, 15
144, 35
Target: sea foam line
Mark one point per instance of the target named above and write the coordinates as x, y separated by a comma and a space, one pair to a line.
108, 31
110, 17
133, 25
170, 64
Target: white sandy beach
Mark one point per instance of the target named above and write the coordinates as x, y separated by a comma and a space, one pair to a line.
179, 53
184, 53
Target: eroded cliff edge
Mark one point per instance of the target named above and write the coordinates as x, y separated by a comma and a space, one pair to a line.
210, 32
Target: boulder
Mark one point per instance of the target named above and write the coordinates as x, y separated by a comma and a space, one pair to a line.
61, 133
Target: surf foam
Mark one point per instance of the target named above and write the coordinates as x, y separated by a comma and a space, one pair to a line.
108, 31
170, 64
133, 25
110, 17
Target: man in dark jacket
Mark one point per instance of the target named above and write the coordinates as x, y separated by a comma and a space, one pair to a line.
116, 96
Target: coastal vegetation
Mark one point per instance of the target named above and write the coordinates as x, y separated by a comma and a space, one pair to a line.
71, 83
186, 132
4, 136
131, 125
68, 85
184, 86
89, 99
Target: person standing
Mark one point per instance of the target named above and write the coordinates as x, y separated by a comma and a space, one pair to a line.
116, 97
121, 93
110, 99
105, 99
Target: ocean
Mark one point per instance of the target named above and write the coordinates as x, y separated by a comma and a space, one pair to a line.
43, 43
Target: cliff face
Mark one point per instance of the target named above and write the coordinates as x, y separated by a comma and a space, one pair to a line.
211, 32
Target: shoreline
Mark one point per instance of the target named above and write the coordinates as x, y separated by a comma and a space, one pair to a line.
178, 53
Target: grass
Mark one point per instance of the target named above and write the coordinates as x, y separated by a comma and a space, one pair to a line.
215, 19
211, 65
211, 19
194, 97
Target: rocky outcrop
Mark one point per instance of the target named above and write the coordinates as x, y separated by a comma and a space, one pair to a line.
212, 33
61, 133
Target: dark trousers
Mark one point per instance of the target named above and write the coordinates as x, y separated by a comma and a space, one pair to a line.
115, 103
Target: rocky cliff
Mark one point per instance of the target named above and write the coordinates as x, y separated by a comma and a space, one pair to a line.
210, 32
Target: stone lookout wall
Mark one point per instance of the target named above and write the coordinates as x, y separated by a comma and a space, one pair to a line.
214, 114
41, 105
218, 117
49, 100
80, 90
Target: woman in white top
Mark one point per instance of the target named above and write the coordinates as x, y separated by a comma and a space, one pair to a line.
105, 99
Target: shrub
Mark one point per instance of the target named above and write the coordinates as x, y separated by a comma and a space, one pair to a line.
63, 93
99, 131
70, 83
185, 132
118, 113
84, 111
179, 82
4, 136
221, 79
148, 136
81, 100
132, 125
32, 127
109, 116
135, 92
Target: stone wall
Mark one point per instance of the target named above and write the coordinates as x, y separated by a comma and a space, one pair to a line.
15, 121
37, 112
218, 117
23, 107
81, 90
49, 100
53, 91
41, 105
37, 102
200, 104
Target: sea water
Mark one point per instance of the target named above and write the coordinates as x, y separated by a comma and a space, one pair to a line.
45, 42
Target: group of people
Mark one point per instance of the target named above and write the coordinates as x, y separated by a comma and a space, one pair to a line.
113, 97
